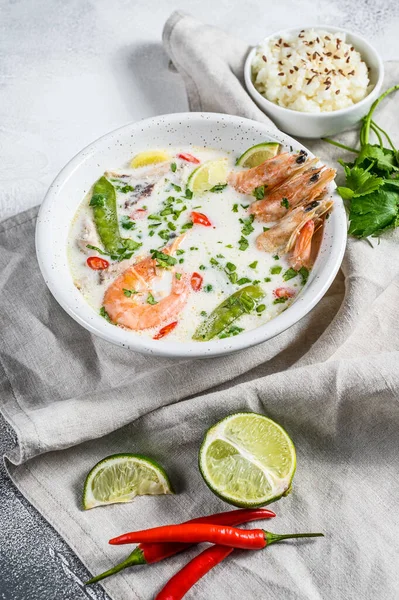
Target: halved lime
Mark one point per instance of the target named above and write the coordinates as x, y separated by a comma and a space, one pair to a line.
122, 477
207, 175
247, 460
256, 155
149, 158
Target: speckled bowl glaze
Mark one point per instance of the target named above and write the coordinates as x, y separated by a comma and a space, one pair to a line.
316, 125
207, 129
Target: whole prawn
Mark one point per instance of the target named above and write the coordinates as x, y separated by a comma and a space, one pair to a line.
124, 299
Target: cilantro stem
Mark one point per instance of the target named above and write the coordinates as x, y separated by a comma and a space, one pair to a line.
373, 123
334, 143
377, 133
365, 131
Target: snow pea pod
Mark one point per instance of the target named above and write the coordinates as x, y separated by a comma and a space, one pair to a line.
241, 302
103, 203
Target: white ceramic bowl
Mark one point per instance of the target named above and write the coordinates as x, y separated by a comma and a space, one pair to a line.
206, 129
316, 125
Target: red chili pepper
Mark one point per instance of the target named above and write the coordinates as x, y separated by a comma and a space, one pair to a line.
197, 533
283, 293
152, 553
178, 586
140, 213
97, 264
165, 330
200, 219
196, 282
189, 158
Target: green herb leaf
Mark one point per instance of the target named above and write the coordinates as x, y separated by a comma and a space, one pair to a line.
243, 280
151, 299
178, 276
285, 203
129, 293
125, 188
208, 288
105, 315
253, 265
235, 208
276, 270
127, 223
259, 192
219, 187
382, 158
243, 244
280, 300
165, 261
233, 277
304, 273
231, 266
189, 193
373, 212
177, 188
230, 332
97, 200
290, 274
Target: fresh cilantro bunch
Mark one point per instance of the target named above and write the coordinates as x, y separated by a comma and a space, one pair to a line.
371, 190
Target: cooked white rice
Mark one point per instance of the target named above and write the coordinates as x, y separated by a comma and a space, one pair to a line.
313, 71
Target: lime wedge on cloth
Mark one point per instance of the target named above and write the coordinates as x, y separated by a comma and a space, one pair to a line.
247, 460
206, 176
122, 477
256, 155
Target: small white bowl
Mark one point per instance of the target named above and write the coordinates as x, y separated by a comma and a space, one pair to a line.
233, 134
317, 125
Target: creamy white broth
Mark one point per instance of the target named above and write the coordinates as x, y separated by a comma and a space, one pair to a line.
204, 250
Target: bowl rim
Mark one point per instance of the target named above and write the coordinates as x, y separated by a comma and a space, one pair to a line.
119, 336
282, 109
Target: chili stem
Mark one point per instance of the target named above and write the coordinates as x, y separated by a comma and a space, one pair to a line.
339, 145
135, 558
271, 538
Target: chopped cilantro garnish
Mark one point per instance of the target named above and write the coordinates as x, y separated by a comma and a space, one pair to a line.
267, 279
232, 277
289, 274
166, 211
181, 260
97, 249
151, 299
243, 280
193, 248
266, 228
247, 229
259, 192
243, 243
127, 223
231, 331
177, 188
285, 203
219, 255
244, 206
164, 234
151, 233
256, 281
276, 257
187, 226
280, 300
231, 266
188, 193
235, 208
178, 275
203, 313
213, 261
202, 267
208, 287
125, 188
173, 167
153, 225
253, 265
154, 217
218, 187
105, 315
276, 270
171, 226
179, 251
129, 293
229, 245
163, 260
304, 273
261, 308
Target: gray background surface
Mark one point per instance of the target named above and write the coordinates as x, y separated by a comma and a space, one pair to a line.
70, 71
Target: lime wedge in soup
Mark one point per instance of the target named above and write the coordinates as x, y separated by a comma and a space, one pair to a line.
122, 477
247, 460
208, 175
256, 155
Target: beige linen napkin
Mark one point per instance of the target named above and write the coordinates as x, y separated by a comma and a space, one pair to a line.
332, 380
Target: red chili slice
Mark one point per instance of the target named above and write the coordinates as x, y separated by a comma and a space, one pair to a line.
196, 282
200, 219
165, 330
97, 264
189, 158
283, 293
140, 213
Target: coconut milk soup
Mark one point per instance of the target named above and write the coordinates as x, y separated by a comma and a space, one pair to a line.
176, 244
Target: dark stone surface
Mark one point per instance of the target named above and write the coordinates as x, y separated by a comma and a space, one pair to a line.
35, 562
